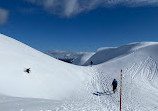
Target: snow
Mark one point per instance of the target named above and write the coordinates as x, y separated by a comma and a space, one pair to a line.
105, 54
54, 85
140, 79
82, 58
105, 48
47, 76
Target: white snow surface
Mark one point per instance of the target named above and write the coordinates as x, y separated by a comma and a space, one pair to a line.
49, 78
54, 85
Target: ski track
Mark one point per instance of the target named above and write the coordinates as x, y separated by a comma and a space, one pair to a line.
92, 102
136, 74
134, 95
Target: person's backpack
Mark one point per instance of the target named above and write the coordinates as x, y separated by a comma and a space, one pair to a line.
115, 82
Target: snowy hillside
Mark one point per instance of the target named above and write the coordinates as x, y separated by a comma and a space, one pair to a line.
54, 85
140, 78
49, 78
105, 54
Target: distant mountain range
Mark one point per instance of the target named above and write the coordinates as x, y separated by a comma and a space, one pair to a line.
67, 56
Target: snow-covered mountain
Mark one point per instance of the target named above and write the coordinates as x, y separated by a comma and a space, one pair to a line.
67, 56
82, 58
107, 53
54, 85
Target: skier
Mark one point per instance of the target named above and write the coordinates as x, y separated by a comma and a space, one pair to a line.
91, 63
114, 83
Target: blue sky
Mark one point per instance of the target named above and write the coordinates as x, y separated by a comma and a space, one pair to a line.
78, 26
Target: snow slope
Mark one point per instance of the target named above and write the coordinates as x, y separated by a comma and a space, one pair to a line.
54, 85
140, 78
49, 78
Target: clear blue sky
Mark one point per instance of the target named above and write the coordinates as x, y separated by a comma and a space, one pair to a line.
88, 30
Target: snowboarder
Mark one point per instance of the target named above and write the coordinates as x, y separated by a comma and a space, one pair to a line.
28, 70
91, 63
114, 83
